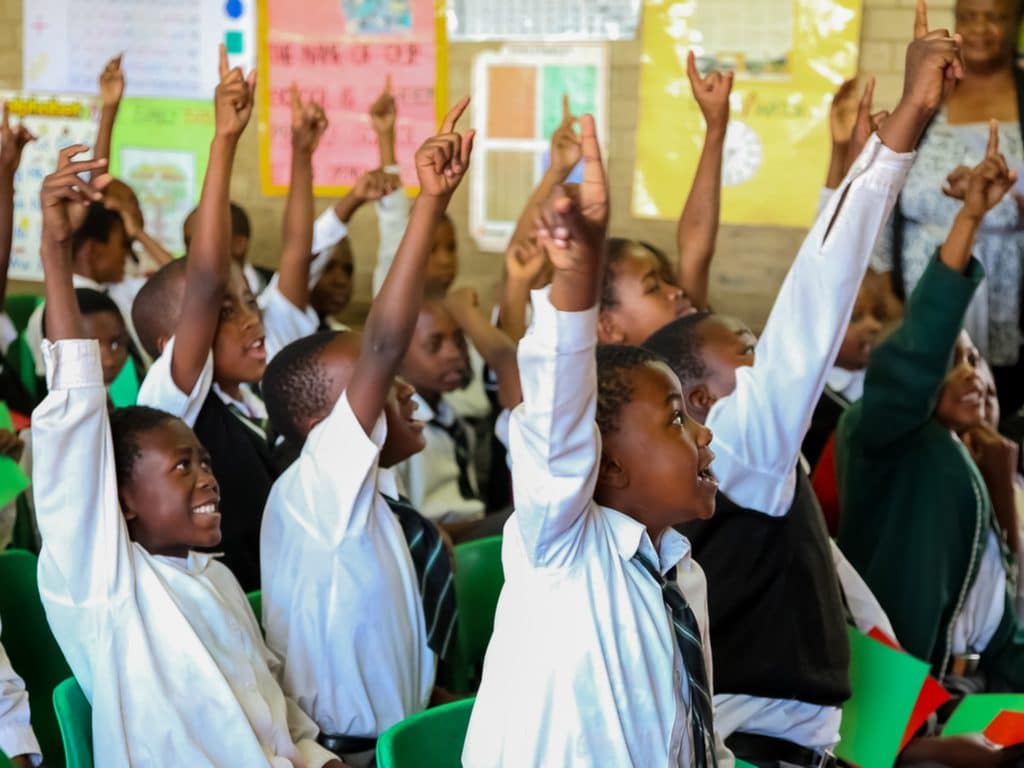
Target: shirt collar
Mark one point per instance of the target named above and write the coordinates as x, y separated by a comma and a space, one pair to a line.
849, 384
443, 414
81, 281
631, 537
195, 563
250, 405
387, 482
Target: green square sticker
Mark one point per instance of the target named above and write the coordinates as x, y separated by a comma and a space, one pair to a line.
234, 41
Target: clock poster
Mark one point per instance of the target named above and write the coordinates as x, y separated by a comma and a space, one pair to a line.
789, 57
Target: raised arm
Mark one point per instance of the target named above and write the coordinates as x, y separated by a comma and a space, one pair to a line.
111, 91
12, 142
308, 126
698, 223
554, 444
493, 344
907, 370
441, 164
209, 260
525, 260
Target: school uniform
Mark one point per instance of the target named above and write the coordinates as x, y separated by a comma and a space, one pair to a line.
842, 388
16, 735
584, 667
766, 552
440, 480
166, 649
341, 596
917, 518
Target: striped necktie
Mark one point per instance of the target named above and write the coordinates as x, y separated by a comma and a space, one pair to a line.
434, 573
687, 633
457, 432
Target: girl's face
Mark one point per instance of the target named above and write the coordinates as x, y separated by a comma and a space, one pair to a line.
962, 399
988, 29
645, 300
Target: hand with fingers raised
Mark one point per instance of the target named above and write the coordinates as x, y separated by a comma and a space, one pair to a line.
308, 123
988, 181
712, 94
566, 149
375, 184
112, 82
383, 112
233, 99
865, 123
12, 143
64, 190
842, 115
934, 64
443, 159
525, 260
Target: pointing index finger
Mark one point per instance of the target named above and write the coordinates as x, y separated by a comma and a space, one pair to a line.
566, 109
448, 126
993, 139
593, 169
691, 68
7, 117
224, 68
920, 19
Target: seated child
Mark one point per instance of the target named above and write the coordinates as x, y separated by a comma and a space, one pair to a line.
160, 637
769, 560
600, 651
201, 321
370, 575
918, 514
17, 740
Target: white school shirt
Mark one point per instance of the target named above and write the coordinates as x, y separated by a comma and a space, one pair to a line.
392, 220
166, 649
16, 735
431, 477
123, 294
341, 600
583, 667
759, 428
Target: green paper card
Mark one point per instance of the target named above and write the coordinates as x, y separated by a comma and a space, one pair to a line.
885, 683
124, 389
13, 479
975, 713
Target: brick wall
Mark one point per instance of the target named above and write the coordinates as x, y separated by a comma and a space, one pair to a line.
751, 261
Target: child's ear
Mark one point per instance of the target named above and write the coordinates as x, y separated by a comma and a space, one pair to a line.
127, 508
608, 330
699, 400
611, 474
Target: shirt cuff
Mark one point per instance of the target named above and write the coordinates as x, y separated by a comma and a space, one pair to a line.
328, 230
888, 168
20, 740
393, 207
562, 332
72, 364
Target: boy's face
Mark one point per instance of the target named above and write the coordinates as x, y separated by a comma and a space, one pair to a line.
239, 355
658, 459
436, 360
646, 300
405, 432
171, 503
864, 330
333, 290
962, 399
107, 259
726, 344
443, 264
108, 329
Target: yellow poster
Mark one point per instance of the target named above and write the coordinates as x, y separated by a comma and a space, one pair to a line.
789, 57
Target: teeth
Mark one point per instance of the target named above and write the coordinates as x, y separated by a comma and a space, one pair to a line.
206, 509
973, 397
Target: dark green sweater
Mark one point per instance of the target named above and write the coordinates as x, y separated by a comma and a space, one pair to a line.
915, 509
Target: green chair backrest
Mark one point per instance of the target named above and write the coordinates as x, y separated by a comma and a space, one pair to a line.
4, 762
432, 739
124, 389
75, 717
19, 355
479, 578
28, 641
20, 306
256, 602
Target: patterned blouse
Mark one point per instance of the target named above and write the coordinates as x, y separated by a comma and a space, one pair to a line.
993, 319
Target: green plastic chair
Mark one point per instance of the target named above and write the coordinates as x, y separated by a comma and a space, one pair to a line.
19, 307
4, 762
74, 714
256, 603
34, 653
479, 578
432, 739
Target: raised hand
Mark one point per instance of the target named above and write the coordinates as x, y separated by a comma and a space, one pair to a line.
308, 123
112, 82
233, 99
865, 123
383, 112
12, 143
573, 220
443, 159
842, 115
934, 63
462, 300
956, 182
375, 184
524, 261
712, 94
566, 149
989, 180
64, 190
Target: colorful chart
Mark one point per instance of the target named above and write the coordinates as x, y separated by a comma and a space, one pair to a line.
340, 52
789, 57
517, 105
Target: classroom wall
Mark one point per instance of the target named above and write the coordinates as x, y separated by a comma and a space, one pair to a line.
751, 261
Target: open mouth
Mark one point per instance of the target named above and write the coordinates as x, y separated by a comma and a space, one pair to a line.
705, 476
453, 378
972, 398
257, 349
206, 509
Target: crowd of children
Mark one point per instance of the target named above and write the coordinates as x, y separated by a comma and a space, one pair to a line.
666, 483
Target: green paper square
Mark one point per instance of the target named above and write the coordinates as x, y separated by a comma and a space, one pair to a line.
580, 82
234, 41
5, 417
975, 713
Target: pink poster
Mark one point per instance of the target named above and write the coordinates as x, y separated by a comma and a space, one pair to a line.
340, 52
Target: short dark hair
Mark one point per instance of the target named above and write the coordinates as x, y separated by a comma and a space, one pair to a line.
680, 345
126, 424
615, 251
614, 390
240, 224
295, 386
92, 302
97, 226
157, 306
